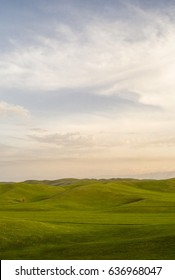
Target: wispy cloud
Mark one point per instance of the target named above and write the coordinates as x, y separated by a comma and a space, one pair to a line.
73, 140
119, 55
11, 109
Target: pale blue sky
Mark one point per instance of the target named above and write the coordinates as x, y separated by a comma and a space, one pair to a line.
87, 89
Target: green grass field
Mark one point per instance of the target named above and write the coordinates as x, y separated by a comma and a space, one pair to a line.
88, 219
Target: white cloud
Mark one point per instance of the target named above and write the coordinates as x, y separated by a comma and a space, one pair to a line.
114, 55
8, 109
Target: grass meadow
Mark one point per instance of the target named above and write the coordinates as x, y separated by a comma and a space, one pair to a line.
88, 219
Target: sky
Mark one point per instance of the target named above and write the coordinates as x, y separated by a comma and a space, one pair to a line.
87, 89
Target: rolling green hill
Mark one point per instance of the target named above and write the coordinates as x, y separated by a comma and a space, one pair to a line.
87, 219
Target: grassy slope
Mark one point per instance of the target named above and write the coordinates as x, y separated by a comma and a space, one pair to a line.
87, 219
